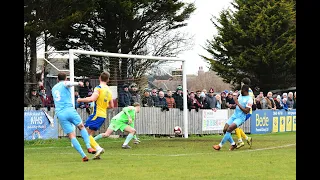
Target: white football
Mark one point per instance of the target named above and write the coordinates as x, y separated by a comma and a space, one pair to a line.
177, 130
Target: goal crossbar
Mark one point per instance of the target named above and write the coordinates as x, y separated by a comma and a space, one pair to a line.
95, 53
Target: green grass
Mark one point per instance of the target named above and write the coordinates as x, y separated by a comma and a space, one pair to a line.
272, 156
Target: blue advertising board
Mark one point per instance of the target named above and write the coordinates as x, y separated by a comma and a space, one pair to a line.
267, 120
284, 121
39, 125
261, 122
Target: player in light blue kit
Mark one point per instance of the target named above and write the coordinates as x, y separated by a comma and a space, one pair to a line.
244, 104
67, 114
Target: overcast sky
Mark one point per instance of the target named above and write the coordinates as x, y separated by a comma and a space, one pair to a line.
202, 28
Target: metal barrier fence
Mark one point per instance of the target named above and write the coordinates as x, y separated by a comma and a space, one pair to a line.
152, 121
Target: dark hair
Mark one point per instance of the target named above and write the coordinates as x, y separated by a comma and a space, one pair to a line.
62, 76
104, 76
245, 88
246, 81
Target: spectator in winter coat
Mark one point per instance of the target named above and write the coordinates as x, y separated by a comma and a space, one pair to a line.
211, 101
147, 100
178, 98
125, 97
170, 100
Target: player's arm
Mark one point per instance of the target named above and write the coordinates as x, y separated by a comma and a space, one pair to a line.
126, 111
111, 104
70, 84
92, 98
109, 97
246, 109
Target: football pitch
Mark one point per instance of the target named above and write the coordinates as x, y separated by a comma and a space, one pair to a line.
272, 156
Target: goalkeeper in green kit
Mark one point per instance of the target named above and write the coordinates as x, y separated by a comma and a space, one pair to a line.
124, 121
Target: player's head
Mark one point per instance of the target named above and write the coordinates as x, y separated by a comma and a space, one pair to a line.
137, 106
62, 76
246, 81
104, 77
245, 90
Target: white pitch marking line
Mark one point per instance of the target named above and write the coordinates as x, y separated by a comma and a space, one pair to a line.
191, 154
277, 147
249, 150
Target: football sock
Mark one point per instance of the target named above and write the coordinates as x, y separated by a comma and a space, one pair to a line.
243, 135
93, 143
85, 136
77, 146
231, 141
99, 136
129, 137
238, 134
225, 138
135, 137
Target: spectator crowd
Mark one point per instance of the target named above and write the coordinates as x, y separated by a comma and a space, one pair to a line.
201, 99
166, 99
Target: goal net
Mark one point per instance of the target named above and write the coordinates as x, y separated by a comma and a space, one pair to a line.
140, 73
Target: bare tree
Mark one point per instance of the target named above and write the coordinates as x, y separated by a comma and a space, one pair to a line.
169, 43
165, 44
206, 81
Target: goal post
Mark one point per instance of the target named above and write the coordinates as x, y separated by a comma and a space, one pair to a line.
73, 52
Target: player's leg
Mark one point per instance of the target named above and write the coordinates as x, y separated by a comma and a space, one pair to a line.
75, 119
226, 127
247, 138
241, 135
244, 136
238, 132
113, 126
77, 146
227, 135
88, 124
68, 128
131, 132
108, 132
86, 139
92, 124
136, 139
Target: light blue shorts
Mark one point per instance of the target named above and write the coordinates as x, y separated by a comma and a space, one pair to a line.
68, 118
237, 120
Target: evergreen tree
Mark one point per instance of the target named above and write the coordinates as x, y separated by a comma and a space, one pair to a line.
255, 40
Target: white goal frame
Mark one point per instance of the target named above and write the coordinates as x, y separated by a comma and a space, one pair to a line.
119, 55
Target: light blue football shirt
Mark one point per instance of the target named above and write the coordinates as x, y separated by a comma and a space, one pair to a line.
61, 96
244, 101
